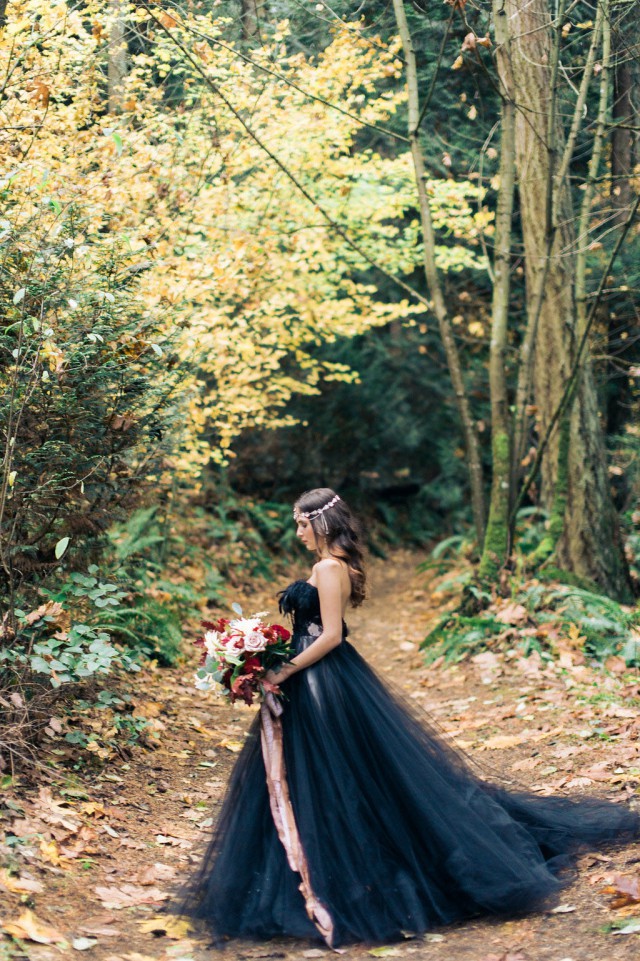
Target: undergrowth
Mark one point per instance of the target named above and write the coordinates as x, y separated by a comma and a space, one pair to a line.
554, 603
605, 627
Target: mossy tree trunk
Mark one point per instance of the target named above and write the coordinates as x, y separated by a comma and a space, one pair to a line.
496, 542
589, 545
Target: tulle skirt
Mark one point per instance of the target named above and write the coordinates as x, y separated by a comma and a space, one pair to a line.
400, 834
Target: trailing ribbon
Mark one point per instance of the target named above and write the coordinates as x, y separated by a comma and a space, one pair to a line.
282, 811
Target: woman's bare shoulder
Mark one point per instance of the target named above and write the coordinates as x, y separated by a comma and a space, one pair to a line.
332, 570
329, 564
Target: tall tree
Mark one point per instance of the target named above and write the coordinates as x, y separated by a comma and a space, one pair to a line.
589, 544
626, 75
117, 63
432, 275
496, 542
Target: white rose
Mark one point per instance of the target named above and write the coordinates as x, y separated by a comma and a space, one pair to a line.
254, 642
212, 643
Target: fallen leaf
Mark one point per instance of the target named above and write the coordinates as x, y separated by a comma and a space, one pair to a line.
625, 889
234, 746
129, 894
83, 944
616, 664
501, 741
512, 614
156, 872
175, 928
526, 764
508, 956
579, 782
49, 853
564, 909
132, 956
175, 842
104, 931
93, 807
19, 885
51, 609
616, 710
29, 927
632, 927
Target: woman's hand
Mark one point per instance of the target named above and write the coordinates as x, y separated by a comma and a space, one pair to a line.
277, 677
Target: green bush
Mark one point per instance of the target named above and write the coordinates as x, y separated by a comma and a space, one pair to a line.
88, 391
89, 411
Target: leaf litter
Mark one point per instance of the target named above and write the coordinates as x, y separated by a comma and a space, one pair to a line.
91, 857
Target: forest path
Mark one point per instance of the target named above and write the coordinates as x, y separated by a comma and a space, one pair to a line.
119, 837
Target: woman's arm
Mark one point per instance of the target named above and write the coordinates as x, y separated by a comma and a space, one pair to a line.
329, 579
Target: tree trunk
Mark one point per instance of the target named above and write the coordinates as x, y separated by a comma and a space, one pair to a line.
625, 35
496, 542
589, 545
433, 279
253, 13
117, 68
624, 137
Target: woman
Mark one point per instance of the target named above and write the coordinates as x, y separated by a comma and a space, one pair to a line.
374, 827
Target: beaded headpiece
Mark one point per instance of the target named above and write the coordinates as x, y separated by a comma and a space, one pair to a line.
318, 512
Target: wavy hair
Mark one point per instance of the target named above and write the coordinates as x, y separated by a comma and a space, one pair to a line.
342, 532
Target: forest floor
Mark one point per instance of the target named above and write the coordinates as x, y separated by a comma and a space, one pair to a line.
94, 855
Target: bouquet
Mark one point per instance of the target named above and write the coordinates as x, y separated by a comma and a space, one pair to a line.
238, 653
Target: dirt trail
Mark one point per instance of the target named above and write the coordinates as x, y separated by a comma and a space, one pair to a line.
145, 820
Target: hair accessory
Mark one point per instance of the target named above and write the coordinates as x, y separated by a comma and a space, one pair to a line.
318, 512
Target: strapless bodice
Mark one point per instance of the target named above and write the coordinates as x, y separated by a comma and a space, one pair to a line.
301, 601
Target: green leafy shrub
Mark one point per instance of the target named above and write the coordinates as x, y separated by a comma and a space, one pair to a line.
606, 627
88, 393
89, 411
457, 636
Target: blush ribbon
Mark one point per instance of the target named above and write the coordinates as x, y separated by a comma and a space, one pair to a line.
282, 811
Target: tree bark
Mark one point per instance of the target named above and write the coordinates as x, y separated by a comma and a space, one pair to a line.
624, 140
589, 545
253, 13
623, 113
472, 445
117, 67
496, 542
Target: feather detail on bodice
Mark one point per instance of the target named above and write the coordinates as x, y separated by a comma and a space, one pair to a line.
302, 602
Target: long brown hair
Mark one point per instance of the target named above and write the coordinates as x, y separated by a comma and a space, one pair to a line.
341, 530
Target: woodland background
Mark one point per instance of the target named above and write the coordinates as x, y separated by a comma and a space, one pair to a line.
250, 248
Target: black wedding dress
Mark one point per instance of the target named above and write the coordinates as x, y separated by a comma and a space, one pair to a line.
399, 833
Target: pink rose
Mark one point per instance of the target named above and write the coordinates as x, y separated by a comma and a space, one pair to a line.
254, 641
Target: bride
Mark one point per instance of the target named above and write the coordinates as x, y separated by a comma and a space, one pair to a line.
348, 817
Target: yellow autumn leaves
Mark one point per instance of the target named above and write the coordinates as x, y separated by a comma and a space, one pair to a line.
227, 246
